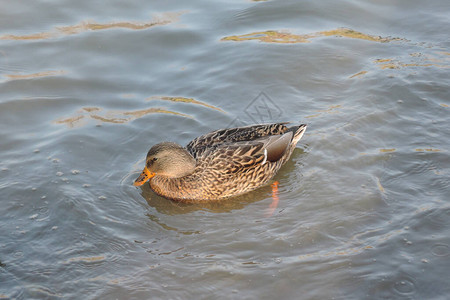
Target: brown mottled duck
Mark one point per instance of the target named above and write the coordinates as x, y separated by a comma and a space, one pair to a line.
220, 164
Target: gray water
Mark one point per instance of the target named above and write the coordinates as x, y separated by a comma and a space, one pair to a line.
87, 87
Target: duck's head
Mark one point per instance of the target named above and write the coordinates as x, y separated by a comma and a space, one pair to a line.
166, 159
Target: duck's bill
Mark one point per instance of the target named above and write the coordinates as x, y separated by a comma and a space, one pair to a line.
144, 177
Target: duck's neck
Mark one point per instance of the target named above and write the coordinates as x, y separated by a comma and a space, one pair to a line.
174, 188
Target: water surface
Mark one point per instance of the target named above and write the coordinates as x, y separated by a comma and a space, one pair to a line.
86, 89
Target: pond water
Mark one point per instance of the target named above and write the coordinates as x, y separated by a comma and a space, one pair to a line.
88, 87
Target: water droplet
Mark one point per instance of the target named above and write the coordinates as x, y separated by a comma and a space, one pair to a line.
404, 286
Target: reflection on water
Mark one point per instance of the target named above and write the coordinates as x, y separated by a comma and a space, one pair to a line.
169, 207
163, 19
116, 117
184, 100
287, 37
332, 109
434, 58
86, 259
119, 117
417, 60
363, 205
35, 75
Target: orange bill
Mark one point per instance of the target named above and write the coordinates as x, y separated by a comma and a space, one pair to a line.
144, 177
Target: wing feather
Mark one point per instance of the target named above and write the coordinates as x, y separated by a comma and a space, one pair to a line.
233, 135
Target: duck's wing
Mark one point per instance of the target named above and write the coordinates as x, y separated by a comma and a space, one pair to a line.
232, 157
230, 136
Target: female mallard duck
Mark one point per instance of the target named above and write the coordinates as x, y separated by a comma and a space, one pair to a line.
220, 164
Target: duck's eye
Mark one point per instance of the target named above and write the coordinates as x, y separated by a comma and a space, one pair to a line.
151, 161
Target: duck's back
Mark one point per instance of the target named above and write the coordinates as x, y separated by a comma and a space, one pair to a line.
232, 135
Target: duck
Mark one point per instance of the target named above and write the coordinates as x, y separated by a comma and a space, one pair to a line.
221, 164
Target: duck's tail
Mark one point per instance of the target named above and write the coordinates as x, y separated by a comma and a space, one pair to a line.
298, 133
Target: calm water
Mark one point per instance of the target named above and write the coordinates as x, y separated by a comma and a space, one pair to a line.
86, 88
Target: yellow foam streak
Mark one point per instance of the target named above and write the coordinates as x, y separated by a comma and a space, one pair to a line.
85, 26
117, 117
35, 75
185, 100
87, 259
289, 38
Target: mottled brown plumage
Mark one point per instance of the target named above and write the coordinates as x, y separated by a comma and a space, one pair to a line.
220, 164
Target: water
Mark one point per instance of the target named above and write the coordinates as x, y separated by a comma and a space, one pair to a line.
86, 89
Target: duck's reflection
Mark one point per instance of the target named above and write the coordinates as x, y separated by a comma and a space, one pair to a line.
171, 207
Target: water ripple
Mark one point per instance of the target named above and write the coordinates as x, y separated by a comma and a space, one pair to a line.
289, 38
87, 26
